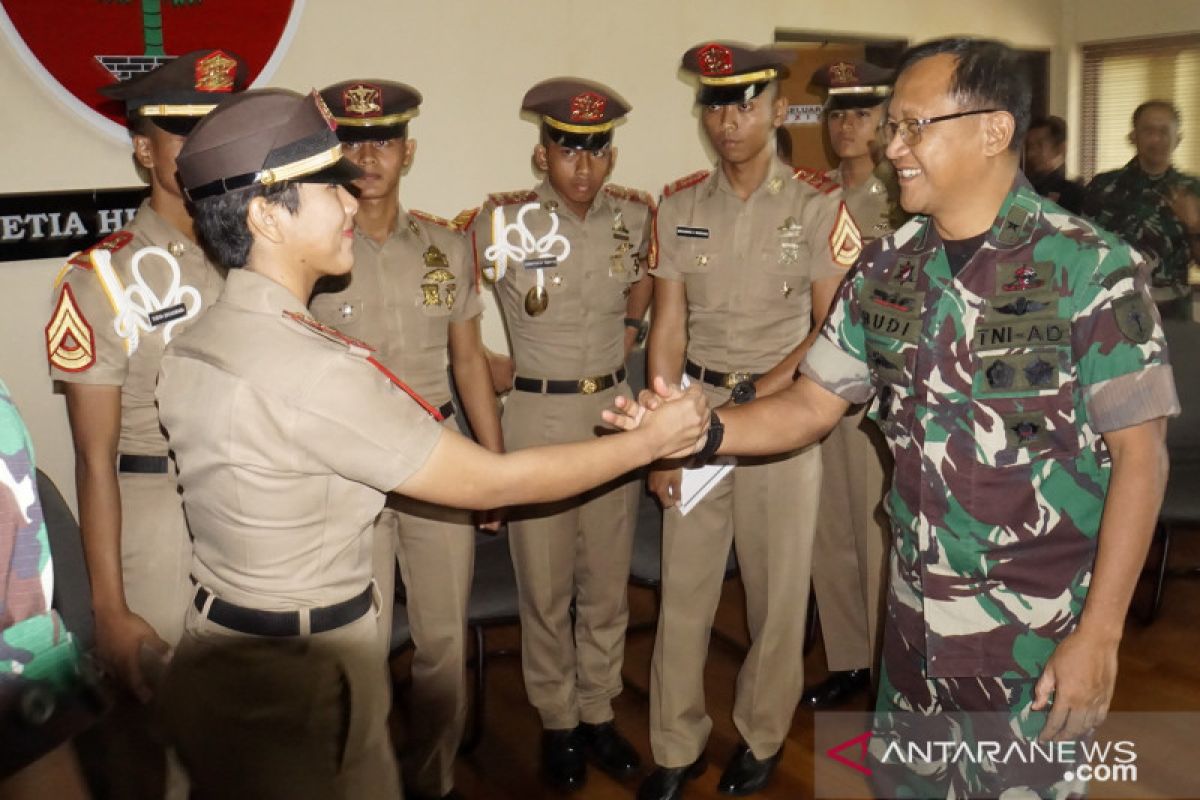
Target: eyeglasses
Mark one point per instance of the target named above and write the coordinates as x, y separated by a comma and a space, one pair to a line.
910, 130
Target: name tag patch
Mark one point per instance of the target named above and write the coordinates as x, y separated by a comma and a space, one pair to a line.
691, 232
164, 315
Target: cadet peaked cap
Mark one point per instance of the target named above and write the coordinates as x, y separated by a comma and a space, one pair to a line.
371, 109
853, 84
263, 137
734, 73
175, 95
575, 112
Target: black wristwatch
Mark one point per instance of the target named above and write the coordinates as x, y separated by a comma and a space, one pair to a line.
743, 392
716, 433
641, 326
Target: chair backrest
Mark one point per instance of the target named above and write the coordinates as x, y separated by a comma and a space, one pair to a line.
72, 588
1183, 432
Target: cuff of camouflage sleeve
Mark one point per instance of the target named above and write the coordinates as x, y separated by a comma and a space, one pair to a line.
838, 371
1132, 399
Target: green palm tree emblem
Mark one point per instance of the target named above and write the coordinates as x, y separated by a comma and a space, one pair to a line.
152, 24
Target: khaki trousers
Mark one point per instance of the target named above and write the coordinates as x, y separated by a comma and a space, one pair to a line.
156, 555
851, 541
436, 550
577, 549
767, 508
281, 717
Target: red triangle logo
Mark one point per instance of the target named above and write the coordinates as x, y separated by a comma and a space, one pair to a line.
860, 763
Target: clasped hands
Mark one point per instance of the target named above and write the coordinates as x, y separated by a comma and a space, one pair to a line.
679, 417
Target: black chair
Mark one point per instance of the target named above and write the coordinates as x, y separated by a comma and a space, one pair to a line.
1181, 502
493, 601
72, 588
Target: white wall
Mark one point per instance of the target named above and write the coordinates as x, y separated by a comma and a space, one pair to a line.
472, 61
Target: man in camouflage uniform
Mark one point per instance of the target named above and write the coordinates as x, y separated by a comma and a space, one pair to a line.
1153, 206
412, 294
1022, 381
117, 306
573, 309
35, 648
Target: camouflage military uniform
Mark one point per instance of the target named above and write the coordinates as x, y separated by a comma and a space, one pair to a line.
1133, 205
993, 389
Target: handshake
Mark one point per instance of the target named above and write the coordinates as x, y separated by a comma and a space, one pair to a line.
676, 421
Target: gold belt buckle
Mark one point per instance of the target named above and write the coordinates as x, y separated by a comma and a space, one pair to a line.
734, 378
589, 385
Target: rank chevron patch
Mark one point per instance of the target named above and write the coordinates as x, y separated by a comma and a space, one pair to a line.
845, 242
70, 342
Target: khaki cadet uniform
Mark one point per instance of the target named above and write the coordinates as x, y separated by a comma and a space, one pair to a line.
852, 527
747, 267
119, 304
287, 434
995, 386
569, 362
283, 471
403, 296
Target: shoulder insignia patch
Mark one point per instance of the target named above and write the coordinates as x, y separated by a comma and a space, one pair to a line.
425, 216
686, 182
1135, 317
845, 241
817, 180
625, 193
111, 243
354, 346
511, 198
70, 342
463, 219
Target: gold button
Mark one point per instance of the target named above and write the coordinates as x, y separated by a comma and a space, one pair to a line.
550, 205
787, 289
176, 249
701, 261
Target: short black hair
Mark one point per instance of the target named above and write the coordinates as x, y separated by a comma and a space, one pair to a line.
1164, 104
221, 220
989, 74
1057, 126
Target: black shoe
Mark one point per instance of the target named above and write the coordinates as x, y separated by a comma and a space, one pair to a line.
563, 765
836, 689
609, 750
450, 795
666, 783
745, 774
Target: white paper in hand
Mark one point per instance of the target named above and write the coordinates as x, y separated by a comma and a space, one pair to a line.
699, 481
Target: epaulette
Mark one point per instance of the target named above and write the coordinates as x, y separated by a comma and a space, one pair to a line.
354, 346
112, 243
685, 182
511, 198
463, 219
425, 216
625, 193
816, 180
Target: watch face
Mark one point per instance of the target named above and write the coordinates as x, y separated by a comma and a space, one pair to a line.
743, 392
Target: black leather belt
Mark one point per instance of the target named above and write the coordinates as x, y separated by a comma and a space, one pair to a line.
724, 380
257, 622
591, 385
147, 465
446, 409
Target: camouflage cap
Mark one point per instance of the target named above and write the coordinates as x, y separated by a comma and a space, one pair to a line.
371, 109
853, 84
175, 95
575, 112
262, 137
734, 73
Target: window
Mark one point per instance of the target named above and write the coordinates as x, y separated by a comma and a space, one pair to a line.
1117, 76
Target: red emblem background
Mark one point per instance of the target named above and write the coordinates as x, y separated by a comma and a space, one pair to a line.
66, 36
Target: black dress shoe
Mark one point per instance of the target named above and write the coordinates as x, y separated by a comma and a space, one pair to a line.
836, 689
609, 750
745, 774
563, 764
666, 783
